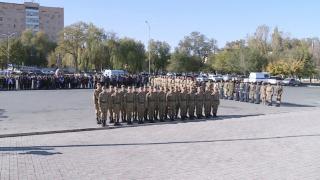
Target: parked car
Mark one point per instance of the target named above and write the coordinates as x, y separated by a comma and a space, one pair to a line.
274, 80
202, 78
227, 77
259, 77
291, 82
214, 78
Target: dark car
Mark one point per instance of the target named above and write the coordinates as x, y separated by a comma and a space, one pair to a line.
290, 82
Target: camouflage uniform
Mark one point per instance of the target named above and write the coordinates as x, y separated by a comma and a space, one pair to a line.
170, 99
199, 98
116, 104
96, 102
269, 92
191, 102
278, 92
207, 102
104, 99
141, 100
215, 101
129, 99
183, 104
162, 104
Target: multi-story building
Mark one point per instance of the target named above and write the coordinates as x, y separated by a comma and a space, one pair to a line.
15, 18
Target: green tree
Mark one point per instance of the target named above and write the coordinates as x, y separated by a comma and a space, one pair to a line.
183, 62
72, 41
160, 55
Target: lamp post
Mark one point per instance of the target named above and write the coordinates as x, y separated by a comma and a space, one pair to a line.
8, 36
149, 53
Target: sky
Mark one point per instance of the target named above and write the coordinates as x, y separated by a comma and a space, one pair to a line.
171, 20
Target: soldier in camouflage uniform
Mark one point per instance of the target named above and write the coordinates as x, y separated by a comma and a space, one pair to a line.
257, 93
183, 103
191, 102
263, 93
241, 89
215, 101
278, 92
122, 93
141, 100
116, 104
269, 92
135, 106
96, 102
156, 103
252, 90
231, 90
129, 99
170, 99
162, 104
104, 99
207, 102
151, 104
177, 101
199, 98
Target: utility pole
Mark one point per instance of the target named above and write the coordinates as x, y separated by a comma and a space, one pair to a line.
149, 54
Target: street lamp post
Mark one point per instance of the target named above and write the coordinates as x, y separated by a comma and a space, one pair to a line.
149, 54
8, 36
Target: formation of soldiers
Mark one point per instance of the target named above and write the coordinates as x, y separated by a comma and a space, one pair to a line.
155, 102
259, 92
172, 98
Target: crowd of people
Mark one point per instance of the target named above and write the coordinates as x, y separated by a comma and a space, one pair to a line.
172, 98
67, 81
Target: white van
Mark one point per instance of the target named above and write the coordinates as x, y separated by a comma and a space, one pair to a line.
110, 73
259, 77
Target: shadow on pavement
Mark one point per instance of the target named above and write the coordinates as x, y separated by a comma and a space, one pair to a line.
2, 111
43, 153
30, 150
287, 104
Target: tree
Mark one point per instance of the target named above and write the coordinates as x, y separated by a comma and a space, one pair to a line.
183, 62
160, 54
197, 44
72, 39
259, 40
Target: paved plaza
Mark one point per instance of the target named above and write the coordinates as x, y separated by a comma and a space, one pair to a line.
247, 141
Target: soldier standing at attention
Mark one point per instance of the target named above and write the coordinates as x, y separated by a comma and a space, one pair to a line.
231, 90
141, 100
135, 106
269, 92
122, 93
207, 102
129, 104
252, 89
116, 104
156, 103
162, 104
226, 89
151, 104
246, 92
278, 92
145, 91
177, 101
96, 102
170, 99
257, 93
215, 101
237, 91
191, 102
263, 93
199, 97
241, 91
183, 103
103, 105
